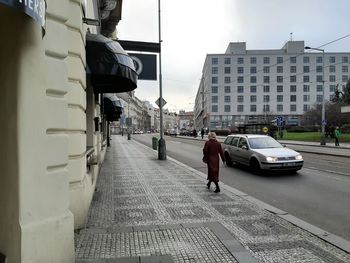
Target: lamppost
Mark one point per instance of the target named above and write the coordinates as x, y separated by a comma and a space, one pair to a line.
128, 119
323, 110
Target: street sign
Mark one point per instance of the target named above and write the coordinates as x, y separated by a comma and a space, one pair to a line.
324, 122
265, 129
279, 121
158, 102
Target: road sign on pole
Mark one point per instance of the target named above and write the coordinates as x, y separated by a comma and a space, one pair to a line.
160, 105
279, 121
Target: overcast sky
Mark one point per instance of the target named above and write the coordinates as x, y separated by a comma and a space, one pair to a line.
193, 28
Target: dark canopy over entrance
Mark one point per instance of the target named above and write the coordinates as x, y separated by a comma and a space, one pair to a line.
112, 107
111, 69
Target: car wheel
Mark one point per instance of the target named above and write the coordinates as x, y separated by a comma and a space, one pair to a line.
228, 160
255, 166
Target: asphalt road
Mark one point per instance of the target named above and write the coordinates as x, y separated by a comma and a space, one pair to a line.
318, 194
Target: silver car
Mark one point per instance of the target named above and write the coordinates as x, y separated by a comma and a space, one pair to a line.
260, 152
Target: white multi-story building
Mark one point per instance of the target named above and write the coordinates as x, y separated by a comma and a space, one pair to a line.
254, 86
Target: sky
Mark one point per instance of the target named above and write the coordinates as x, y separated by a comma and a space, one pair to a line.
191, 29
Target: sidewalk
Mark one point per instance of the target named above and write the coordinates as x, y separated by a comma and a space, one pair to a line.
146, 210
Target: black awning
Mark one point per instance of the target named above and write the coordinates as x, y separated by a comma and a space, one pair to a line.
112, 107
111, 69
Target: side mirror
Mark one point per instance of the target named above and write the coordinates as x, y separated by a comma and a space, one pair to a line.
284, 145
244, 147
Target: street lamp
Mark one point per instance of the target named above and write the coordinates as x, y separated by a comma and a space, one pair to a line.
129, 118
323, 111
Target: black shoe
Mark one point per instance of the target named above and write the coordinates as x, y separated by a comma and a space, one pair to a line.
208, 184
217, 190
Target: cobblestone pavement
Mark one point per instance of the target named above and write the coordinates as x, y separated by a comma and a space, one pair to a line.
146, 207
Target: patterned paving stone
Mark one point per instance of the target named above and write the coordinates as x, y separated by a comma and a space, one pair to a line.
187, 212
184, 176
142, 200
135, 215
160, 183
216, 198
130, 191
175, 199
167, 190
234, 210
127, 184
262, 227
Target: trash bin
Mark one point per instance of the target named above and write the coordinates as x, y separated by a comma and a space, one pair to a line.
154, 143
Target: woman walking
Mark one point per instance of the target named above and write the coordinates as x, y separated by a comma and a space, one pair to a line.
211, 151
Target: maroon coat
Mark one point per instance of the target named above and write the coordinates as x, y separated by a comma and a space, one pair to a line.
211, 151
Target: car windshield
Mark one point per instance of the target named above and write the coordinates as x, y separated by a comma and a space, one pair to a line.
263, 143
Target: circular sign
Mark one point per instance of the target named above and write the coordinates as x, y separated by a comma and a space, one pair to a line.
138, 64
265, 129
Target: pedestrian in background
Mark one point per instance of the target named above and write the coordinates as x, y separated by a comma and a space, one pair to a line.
337, 135
202, 133
211, 151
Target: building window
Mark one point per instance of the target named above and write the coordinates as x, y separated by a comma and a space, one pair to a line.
345, 59
266, 79
240, 79
240, 60
319, 78
293, 98
331, 59
214, 70
266, 88
319, 88
344, 78
306, 88
240, 89
279, 69
214, 99
293, 88
306, 107
306, 79
240, 98
252, 70
306, 69
279, 107
240, 70
279, 98
253, 60
344, 69
279, 60
293, 78
332, 68
252, 108
252, 79
214, 80
227, 108
279, 79
306, 59
293, 69
306, 98
293, 107
227, 70
266, 60
331, 78
279, 88
240, 108
253, 98
266, 98
266, 69
227, 79
319, 69
227, 61
214, 108
266, 108
214, 61
293, 59
227, 99
214, 89
319, 59
227, 89
331, 88
253, 89
319, 98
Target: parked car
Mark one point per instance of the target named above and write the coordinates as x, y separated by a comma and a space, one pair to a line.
260, 152
173, 132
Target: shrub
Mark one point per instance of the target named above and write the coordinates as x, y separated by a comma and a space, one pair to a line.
308, 128
345, 128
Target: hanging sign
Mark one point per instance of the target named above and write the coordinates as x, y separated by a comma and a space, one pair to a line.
36, 9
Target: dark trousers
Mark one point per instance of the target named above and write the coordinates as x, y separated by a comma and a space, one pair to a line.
336, 141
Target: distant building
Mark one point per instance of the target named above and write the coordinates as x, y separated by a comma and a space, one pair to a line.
254, 86
186, 120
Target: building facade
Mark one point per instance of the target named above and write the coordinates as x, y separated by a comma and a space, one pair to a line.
254, 86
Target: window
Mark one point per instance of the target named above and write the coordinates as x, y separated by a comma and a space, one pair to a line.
214, 99
266, 69
240, 70
344, 78
240, 98
293, 60
319, 78
227, 108
227, 99
331, 59
279, 79
214, 61
253, 89
214, 108
252, 79
214, 80
227, 70
227, 79
214, 70
331, 88
331, 78
279, 107
266, 79
279, 98
266, 108
279, 88
240, 60
279, 69
253, 60
306, 98
306, 78
332, 68
240, 89
240, 108
306, 107
253, 108
293, 88
279, 60
306, 88
319, 59
293, 69
266, 60
227, 61
319, 69
252, 70
293, 78
344, 69
227, 89
214, 89
319, 98
266, 98
345, 59
293, 107
319, 88
240, 79
293, 98
266, 89
306, 69
253, 98
306, 59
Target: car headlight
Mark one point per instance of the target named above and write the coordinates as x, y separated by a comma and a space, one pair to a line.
299, 157
271, 159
